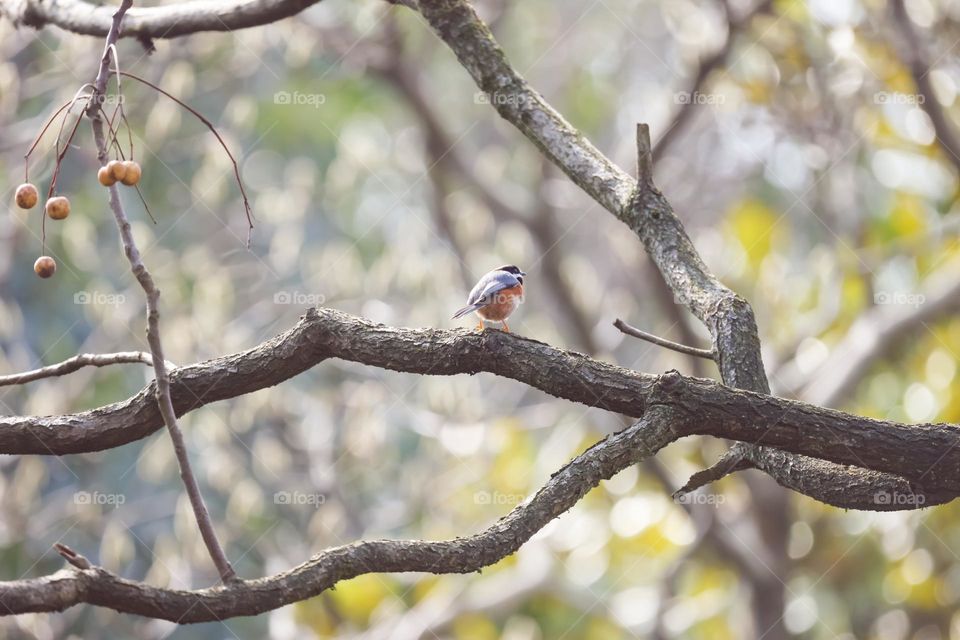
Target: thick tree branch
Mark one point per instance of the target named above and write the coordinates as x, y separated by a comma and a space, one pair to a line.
168, 21
462, 30
323, 334
926, 454
918, 461
643, 208
323, 571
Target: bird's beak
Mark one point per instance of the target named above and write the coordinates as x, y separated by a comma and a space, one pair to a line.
523, 273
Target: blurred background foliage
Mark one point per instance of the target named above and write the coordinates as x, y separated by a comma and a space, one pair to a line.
383, 184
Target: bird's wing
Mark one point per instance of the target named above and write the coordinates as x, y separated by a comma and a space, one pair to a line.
489, 285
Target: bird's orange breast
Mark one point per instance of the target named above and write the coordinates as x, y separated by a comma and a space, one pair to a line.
504, 303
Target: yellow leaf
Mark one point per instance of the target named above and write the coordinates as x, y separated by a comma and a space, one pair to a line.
853, 294
754, 225
793, 9
313, 614
475, 627
357, 598
907, 216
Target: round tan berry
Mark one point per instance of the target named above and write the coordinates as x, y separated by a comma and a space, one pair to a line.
58, 207
117, 169
45, 266
132, 175
105, 178
27, 196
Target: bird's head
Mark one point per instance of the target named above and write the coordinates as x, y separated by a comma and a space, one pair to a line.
513, 269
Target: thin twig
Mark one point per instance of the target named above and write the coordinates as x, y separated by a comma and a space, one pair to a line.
162, 376
71, 556
675, 346
199, 116
116, 143
73, 364
112, 140
644, 157
143, 201
36, 141
119, 108
56, 174
61, 154
726, 465
164, 400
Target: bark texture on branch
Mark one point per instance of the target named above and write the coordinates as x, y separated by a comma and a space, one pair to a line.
323, 571
832, 456
645, 210
462, 30
926, 455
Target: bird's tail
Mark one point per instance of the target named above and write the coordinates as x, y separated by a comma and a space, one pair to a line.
467, 309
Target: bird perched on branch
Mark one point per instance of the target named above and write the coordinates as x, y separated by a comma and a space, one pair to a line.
495, 296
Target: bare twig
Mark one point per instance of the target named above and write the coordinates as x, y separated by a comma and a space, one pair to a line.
163, 399
645, 158
722, 468
73, 364
213, 129
668, 344
71, 556
207, 530
59, 154
36, 141
143, 201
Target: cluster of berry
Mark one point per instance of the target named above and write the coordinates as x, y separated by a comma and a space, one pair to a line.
58, 207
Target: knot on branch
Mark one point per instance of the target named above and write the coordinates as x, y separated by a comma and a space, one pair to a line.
667, 389
671, 379
646, 206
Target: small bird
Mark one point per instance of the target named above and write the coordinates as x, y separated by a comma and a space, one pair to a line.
495, 296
